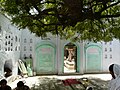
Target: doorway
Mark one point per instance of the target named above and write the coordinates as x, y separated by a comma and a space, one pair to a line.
70, 58
45, 58
8, 68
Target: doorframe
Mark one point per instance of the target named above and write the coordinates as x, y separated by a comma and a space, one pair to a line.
78, 57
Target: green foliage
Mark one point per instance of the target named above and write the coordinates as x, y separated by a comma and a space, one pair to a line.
93, 20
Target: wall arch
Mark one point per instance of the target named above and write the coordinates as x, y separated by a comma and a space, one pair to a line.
4, 61
45, 58
8, 66
93, 58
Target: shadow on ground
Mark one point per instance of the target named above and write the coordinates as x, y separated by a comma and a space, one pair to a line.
70, 84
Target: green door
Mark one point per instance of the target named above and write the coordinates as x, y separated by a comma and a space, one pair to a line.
45, 63
93, 59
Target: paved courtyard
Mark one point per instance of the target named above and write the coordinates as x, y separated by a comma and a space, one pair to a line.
53, 82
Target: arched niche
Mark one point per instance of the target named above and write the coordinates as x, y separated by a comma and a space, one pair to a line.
8, 68
5, 63
93, 58
45, 58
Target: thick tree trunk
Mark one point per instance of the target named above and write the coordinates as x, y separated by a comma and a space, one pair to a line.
74, 8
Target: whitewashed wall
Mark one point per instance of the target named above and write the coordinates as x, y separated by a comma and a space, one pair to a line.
111, 56
18, 48
9, 43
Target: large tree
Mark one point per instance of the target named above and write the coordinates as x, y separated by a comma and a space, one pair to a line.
71, 19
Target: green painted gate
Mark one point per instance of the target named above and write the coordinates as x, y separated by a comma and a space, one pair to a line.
45, 59
93, 58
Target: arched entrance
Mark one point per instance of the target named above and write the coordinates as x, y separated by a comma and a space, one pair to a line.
45, 58
70, 58
4, 63
93, 54
8, 68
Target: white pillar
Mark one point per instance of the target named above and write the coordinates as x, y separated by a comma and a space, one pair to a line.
15, 68
58, 53
82, 58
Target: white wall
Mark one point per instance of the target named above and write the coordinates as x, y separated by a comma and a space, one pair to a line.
10, 30
115, 53
9, 33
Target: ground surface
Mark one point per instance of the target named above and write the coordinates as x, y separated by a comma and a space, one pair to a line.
53, 82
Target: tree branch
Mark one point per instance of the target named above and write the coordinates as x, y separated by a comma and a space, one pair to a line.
110, 16
45, 11
109, 6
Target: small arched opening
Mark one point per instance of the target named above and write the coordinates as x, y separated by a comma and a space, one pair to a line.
8, 68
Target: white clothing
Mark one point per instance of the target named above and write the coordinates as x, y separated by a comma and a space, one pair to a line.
114, 84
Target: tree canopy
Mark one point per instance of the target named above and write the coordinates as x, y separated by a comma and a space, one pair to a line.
96, 20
